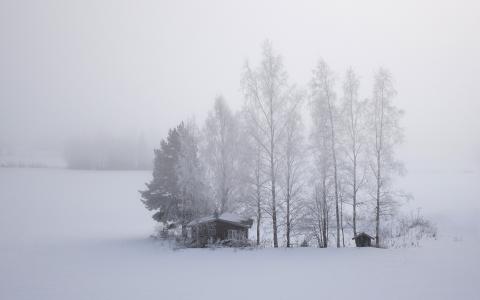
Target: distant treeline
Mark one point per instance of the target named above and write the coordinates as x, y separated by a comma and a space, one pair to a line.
108, 153
20, 164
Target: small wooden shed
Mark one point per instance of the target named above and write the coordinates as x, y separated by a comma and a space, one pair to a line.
216, 228
363, 240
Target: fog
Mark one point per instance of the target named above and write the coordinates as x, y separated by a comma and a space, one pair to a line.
89, 88
120, 68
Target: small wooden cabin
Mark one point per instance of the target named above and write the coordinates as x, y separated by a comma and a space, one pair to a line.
363, 240
216, 228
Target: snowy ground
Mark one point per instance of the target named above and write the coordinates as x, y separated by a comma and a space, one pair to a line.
84, 235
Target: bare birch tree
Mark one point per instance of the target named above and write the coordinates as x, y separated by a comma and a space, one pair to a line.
354, 123
320, 209
385, 134
323, 95
292, 151
266, 90
252, 174
191, 176
322, 179
219, 153
258, 189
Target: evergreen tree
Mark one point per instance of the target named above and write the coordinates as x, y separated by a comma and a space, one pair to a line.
162, 193
177, 191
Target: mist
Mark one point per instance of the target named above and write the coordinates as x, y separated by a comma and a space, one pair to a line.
77, 70
129, 129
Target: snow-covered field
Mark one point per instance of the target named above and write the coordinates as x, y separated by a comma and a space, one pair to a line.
84, 235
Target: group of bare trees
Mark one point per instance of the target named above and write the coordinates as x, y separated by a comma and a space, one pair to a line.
318, 182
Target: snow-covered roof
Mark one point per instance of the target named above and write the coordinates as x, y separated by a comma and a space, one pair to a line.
225, 217
363, 234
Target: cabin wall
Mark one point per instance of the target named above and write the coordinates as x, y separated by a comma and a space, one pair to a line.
223, 227
214, 231
363, 241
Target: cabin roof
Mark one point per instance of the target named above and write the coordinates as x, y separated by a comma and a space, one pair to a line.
363, 234
225, 217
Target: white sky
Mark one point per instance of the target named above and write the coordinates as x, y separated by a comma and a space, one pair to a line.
123, 67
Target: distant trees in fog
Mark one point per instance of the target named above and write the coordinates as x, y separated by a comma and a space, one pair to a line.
104, 152
321, 182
